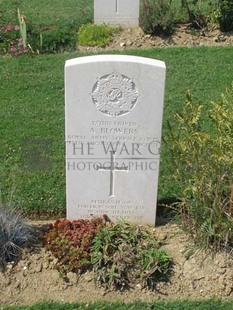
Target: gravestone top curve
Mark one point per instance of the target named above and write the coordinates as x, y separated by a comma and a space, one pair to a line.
115, 58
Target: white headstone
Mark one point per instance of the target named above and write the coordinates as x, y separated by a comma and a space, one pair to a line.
124, 13
114, 109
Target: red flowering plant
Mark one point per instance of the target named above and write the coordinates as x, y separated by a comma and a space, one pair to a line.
11, 37
70, 242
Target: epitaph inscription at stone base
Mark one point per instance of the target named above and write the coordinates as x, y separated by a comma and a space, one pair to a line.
124, 13
114, 109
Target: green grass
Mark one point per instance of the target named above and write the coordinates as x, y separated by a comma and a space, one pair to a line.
51, 11
45, 12
161, 305
32, 107
52, 26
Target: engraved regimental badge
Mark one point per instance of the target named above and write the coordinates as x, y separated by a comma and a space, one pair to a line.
114, 94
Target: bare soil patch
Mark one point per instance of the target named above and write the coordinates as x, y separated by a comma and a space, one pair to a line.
182, 36
199, 276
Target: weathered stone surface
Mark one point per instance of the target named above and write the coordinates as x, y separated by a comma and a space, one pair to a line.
114, 108
124, 13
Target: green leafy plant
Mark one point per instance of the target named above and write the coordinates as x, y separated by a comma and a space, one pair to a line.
196, 16
203, 169
70, 242
226, 15
123, 254
14, 234
157, 17
95, 35
55, 38
22, 28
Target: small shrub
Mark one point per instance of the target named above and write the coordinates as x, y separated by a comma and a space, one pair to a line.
226, 15
123, 254
55, 38
70, 242
197, 16
203, 170
94, 35
14, 233
157, 17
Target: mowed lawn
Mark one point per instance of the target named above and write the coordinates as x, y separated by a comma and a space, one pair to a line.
160, 305
32, 109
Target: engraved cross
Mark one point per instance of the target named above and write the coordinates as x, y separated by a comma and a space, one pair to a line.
112, 168
116, 6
